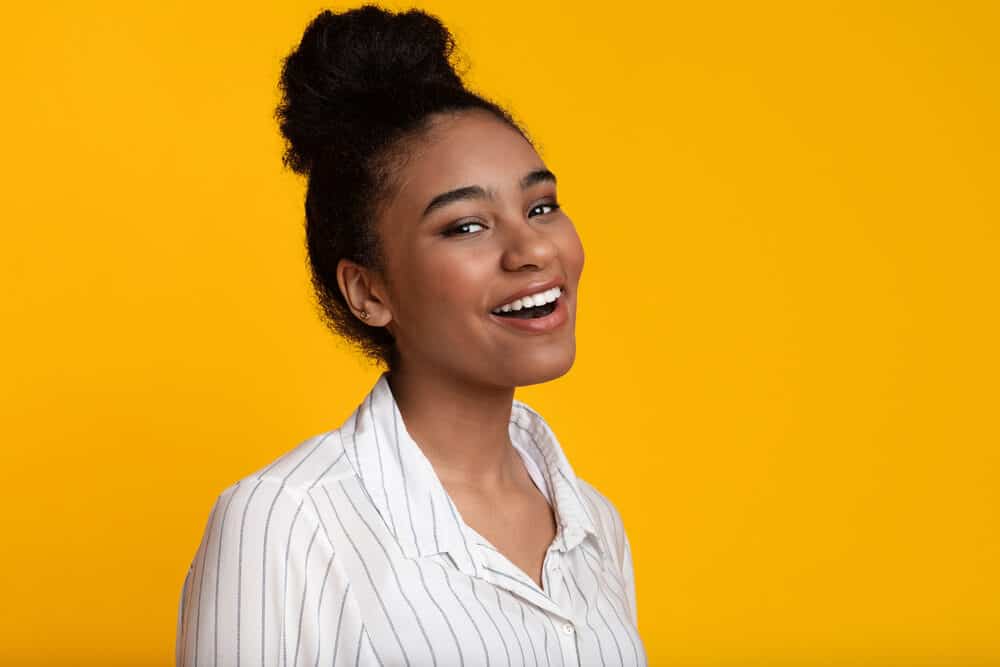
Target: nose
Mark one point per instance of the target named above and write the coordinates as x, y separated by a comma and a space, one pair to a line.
527, 244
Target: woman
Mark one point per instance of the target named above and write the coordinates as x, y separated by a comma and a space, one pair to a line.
441, 524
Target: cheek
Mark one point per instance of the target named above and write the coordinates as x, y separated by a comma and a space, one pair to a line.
450, 280
571, 248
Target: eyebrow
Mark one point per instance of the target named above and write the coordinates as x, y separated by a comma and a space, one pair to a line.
478, 192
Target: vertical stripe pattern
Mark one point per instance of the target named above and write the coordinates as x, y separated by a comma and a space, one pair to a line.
347, 550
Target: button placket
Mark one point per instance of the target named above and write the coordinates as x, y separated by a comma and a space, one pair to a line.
567, 642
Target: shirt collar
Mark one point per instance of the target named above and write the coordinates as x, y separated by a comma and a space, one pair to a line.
415, 506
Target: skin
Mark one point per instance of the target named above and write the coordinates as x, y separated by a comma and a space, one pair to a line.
459, 367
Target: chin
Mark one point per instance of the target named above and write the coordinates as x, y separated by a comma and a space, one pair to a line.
536, 369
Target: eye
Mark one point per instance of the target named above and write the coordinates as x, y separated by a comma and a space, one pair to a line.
554, 206
456, 230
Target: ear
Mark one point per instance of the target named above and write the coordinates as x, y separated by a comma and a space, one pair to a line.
363, 291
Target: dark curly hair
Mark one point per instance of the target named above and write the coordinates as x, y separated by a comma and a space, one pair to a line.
357, 89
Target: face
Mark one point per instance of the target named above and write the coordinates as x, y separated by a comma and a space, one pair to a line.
474, 223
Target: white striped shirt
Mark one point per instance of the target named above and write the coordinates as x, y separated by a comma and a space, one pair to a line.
347, 550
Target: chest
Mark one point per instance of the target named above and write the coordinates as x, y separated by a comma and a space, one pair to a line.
443, 609
425, 612
521, 528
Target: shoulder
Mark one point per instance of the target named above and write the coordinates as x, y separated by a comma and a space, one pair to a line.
265, 540
283, 486
315, 460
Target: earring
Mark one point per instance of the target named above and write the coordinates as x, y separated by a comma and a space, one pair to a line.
364, 314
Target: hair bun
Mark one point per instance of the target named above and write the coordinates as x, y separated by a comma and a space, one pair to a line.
352, 70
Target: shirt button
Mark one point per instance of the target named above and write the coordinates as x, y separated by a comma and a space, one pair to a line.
567, 628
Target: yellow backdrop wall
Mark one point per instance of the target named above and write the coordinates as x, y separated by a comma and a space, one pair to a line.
787, 368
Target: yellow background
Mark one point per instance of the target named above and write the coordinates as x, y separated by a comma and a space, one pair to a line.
787, 373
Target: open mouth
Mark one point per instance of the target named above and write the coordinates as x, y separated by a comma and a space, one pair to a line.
530, 313
533, 306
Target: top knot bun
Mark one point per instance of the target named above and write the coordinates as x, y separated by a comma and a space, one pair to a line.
358, 69
358, 93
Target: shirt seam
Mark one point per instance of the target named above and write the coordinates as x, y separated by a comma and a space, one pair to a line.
309, 511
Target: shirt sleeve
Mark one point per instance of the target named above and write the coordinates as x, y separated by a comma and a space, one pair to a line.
264, 580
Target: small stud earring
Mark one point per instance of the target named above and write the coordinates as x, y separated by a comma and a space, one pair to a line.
364, 314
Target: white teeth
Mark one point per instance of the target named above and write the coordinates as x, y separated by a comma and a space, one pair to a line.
548, 296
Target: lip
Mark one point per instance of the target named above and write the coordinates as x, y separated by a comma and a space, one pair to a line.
534, 289
538, 325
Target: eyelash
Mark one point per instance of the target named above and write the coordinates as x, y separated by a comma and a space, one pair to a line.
452, 231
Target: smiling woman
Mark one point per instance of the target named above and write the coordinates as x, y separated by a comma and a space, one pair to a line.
441, 523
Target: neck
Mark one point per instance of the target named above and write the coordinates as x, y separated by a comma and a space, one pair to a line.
461, 427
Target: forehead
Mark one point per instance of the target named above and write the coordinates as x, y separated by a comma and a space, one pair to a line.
471, 148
